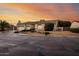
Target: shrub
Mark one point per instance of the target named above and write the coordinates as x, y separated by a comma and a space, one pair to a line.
16, 32
32, 30
46, 33
23, 30
74, 30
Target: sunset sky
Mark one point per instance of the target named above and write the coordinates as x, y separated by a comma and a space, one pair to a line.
32, 12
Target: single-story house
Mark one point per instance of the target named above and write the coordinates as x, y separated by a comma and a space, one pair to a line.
38, 25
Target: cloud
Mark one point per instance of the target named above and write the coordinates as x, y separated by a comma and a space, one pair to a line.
26, 12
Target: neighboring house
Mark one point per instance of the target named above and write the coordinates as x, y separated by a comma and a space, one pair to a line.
38, 25
75, 24
20, 26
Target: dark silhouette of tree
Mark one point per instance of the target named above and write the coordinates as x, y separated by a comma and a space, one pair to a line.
49, 26
4, 25
64, 24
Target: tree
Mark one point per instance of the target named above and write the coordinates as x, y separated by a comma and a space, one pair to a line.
49, 26
3, 25
64, 24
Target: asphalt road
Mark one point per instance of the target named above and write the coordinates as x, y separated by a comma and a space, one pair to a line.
16, 44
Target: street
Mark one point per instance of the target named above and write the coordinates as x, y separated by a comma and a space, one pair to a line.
16, 44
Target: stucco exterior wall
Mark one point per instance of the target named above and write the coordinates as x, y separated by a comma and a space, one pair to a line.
20, 28
75, 25
39, 27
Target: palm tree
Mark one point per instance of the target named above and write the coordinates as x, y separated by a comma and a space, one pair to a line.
3, 25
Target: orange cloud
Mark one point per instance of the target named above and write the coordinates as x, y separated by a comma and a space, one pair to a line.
27, 12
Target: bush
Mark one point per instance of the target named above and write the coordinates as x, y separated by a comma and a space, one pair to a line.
16, 32
23, 30
32, 30
46, 33
74, 30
